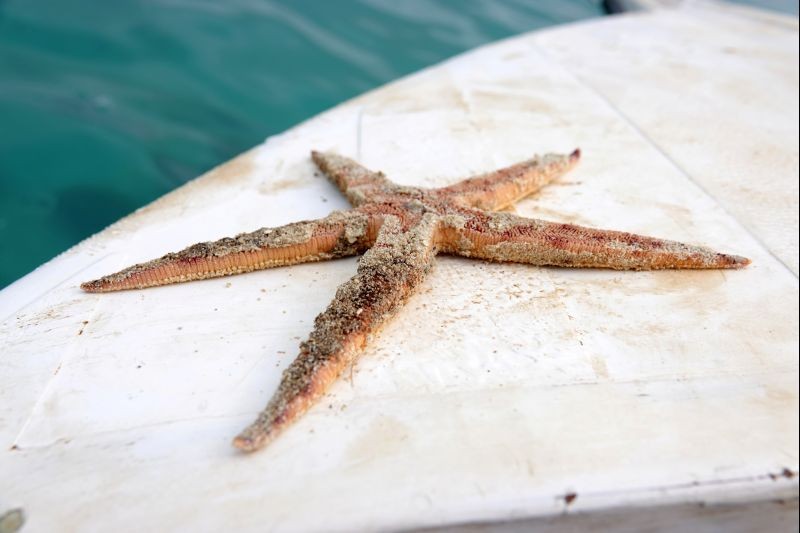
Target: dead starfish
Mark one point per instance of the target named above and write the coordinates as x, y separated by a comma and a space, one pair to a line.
401, 229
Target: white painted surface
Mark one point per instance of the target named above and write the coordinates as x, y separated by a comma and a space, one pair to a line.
498, 390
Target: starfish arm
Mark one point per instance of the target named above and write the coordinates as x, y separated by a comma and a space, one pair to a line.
501, 188
341, 234
507, 237
357, 183
387, 274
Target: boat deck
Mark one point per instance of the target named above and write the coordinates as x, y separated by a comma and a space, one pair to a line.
501, 393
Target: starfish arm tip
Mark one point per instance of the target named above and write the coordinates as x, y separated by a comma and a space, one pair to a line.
321, 159
92, 286
245, 444
736, 261
575, 155
255, 436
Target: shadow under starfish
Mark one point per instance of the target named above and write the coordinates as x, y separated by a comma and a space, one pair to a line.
400, 230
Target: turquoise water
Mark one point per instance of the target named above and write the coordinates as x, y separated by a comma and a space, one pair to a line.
106, 105
786, 7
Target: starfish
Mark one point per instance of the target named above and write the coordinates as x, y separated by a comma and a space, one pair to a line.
400, 230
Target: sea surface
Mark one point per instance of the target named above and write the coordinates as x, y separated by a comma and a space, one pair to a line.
107, 105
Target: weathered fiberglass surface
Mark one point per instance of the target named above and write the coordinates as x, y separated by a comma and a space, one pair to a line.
500, 392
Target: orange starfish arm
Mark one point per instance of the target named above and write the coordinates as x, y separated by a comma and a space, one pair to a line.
501, 188
387, 274
507, 237
357, 183
343, 233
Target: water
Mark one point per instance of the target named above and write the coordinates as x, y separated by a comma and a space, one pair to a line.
104, 106
786, 7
